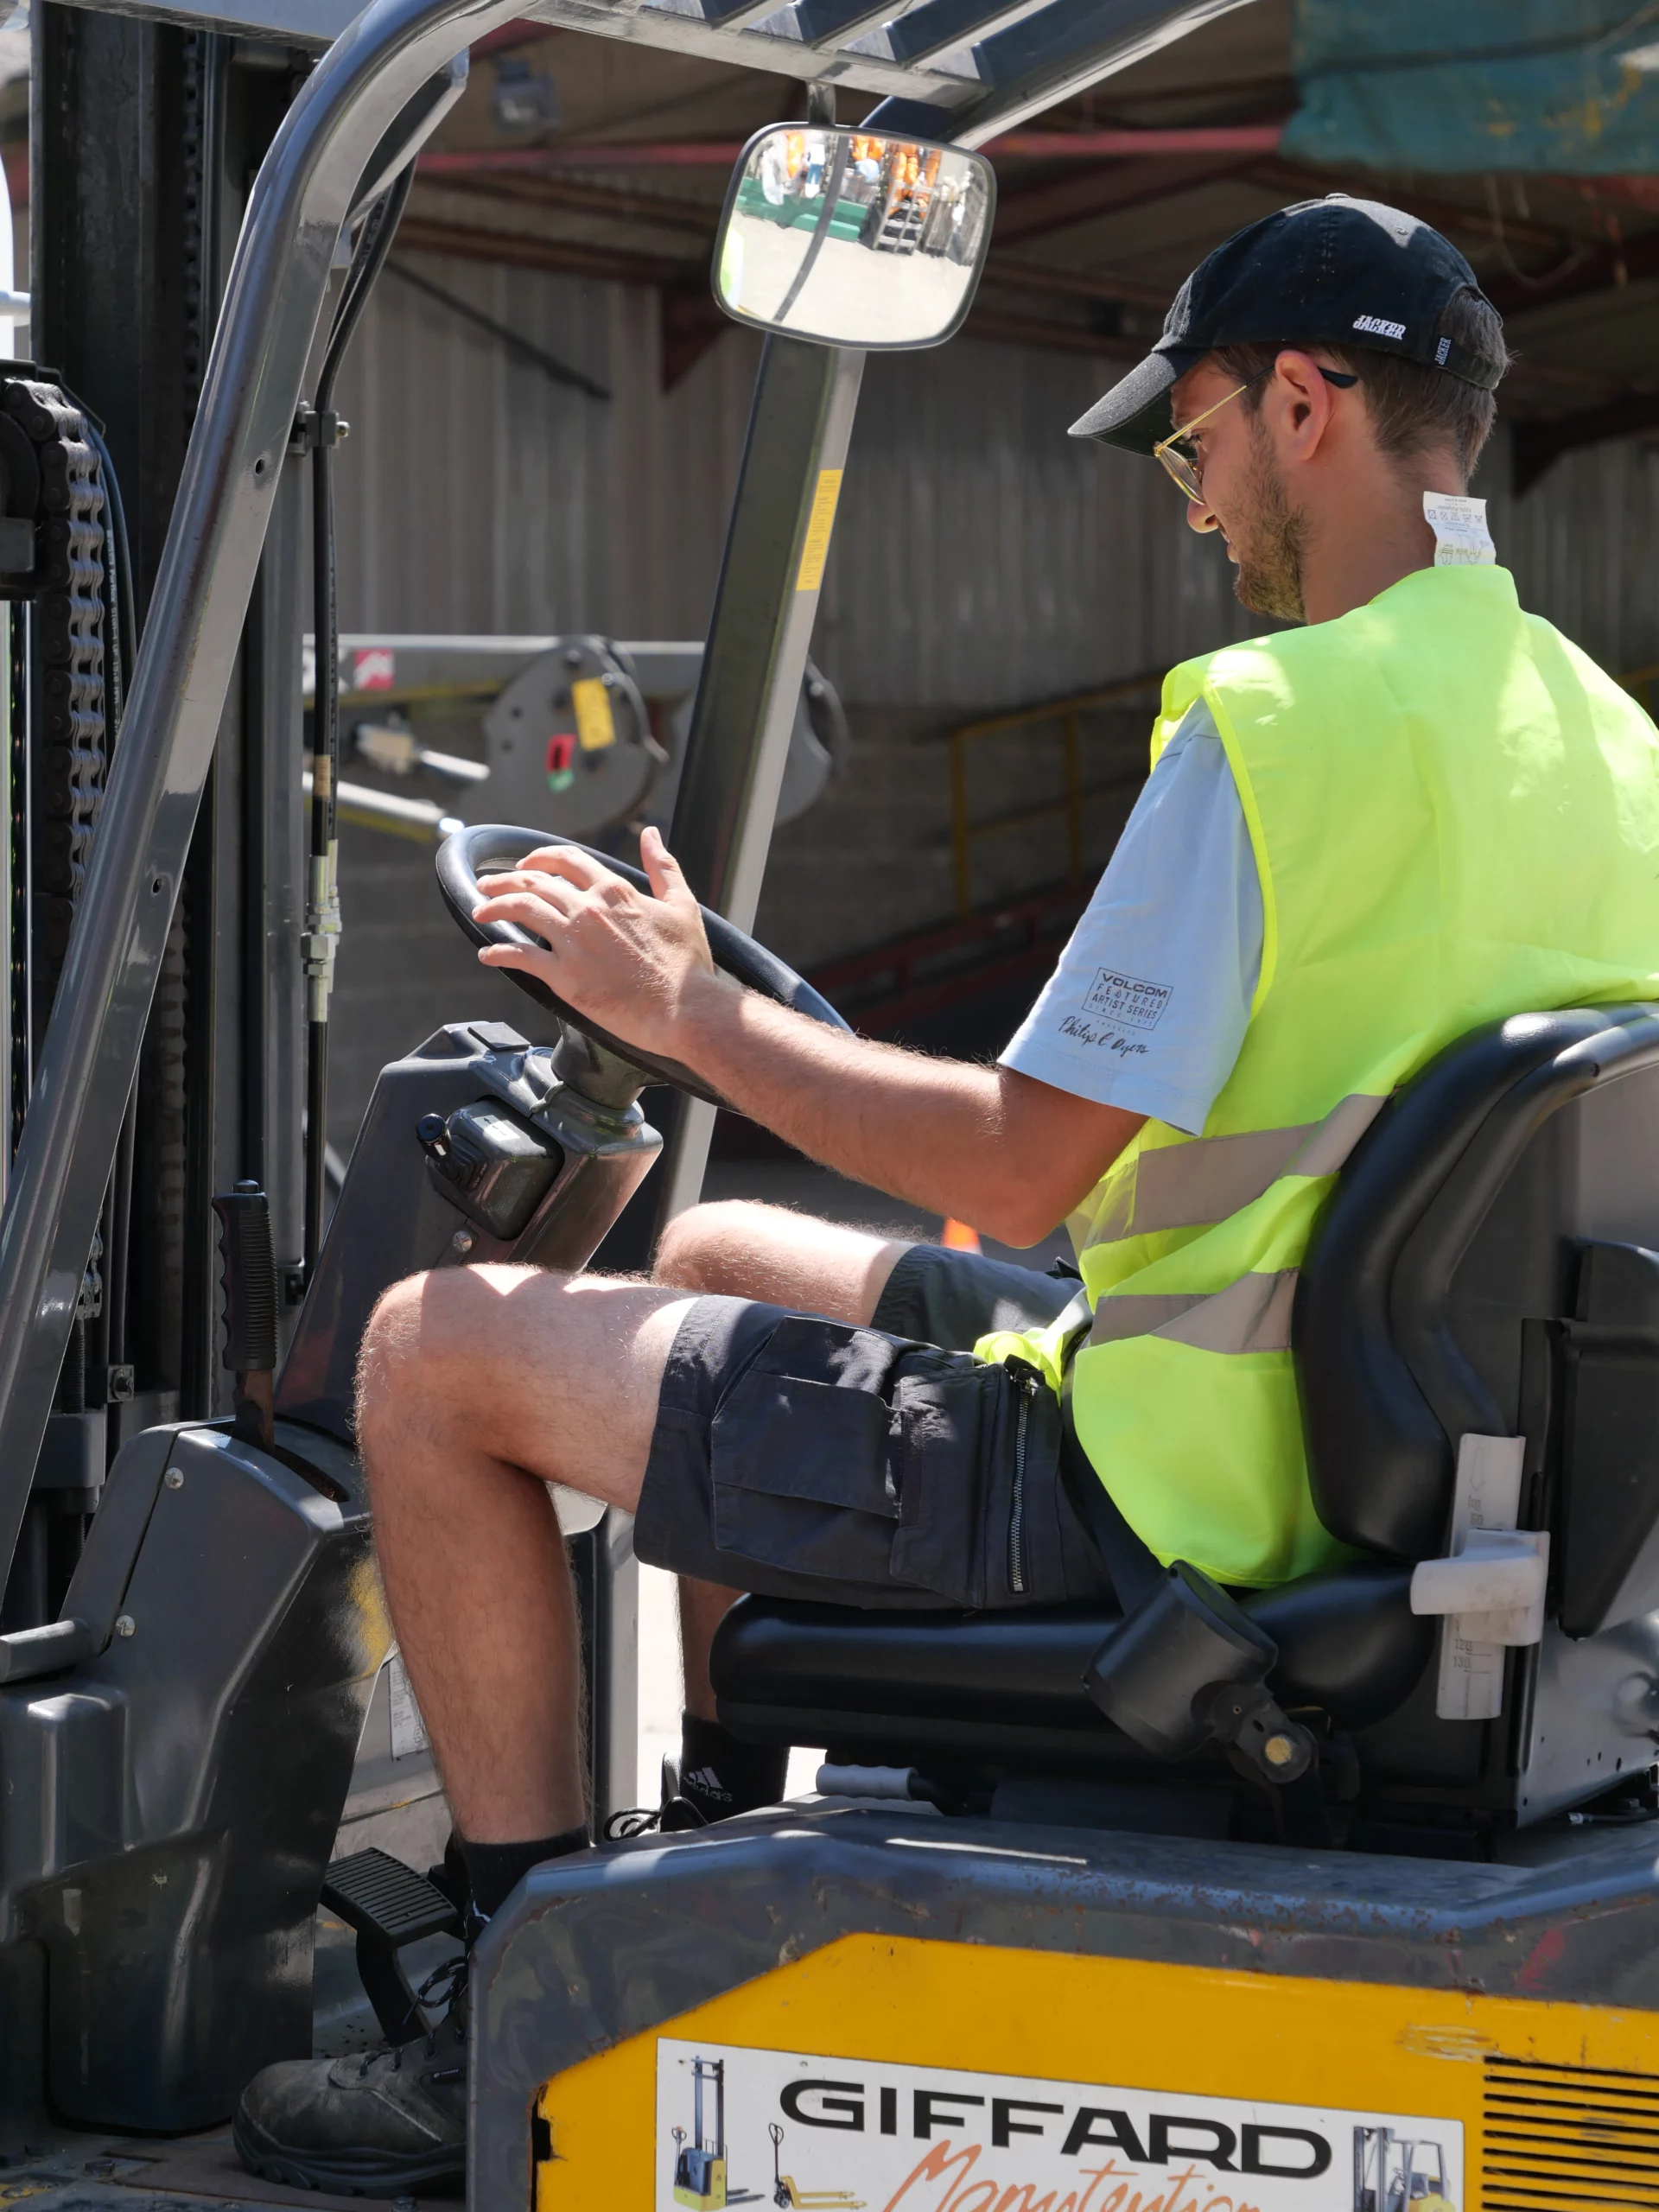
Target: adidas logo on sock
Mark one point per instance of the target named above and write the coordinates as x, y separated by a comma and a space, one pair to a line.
708, 1782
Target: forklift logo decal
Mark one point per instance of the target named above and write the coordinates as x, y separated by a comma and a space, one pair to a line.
1126, 999
809, 2133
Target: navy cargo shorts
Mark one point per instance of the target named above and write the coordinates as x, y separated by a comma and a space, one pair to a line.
801, 1458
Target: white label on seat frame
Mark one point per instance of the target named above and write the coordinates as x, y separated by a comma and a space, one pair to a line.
1488, 1496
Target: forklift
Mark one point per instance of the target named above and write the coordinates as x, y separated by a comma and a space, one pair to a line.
1206, 1906
700, 2164
1396, 2176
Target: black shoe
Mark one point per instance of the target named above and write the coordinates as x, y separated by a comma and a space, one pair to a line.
676, 1815
391, 2121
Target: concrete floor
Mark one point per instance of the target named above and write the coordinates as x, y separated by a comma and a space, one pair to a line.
807, 1189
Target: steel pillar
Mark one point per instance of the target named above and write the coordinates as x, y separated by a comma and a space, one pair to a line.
766, 604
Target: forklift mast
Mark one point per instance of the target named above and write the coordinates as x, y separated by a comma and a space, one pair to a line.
145, 140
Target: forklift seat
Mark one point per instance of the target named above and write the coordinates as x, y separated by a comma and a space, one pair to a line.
905, 1688
1488, 1265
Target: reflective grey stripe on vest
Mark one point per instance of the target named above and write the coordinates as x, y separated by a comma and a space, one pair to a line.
1191, 1186
1252, 1314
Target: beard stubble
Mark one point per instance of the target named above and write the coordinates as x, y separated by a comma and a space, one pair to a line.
1269, 546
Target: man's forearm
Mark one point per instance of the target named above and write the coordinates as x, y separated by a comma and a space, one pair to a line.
1010, 1153
919, 1128
949, 1136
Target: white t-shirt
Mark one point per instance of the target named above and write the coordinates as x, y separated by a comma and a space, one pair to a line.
1149, 1004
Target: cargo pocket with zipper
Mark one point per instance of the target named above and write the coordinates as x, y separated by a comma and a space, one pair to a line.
939, 1419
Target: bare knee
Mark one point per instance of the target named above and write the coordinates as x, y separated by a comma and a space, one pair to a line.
715, 1248
389, 1365
426, 1355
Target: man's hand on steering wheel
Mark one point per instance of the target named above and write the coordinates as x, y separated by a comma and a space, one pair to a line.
637, 966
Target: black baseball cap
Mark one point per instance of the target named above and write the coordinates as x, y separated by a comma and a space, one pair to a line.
1336, 271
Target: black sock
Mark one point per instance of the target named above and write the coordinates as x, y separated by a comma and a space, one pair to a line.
720, 1775
497, 1869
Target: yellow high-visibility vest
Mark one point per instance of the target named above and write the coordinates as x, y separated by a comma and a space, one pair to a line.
1455, 817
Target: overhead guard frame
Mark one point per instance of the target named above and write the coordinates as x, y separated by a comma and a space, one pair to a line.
987, 64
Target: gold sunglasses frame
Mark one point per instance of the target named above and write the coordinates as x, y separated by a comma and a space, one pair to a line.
1178, 466
1180, 469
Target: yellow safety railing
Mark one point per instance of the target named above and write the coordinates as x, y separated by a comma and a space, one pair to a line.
966, 834
1639, 683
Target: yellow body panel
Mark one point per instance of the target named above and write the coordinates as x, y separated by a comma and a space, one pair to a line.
1134, 2022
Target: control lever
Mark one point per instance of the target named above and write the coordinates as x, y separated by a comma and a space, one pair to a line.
250, 1284
1189, 1667
394, 748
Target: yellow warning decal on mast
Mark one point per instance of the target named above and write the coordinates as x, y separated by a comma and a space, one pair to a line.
819, 524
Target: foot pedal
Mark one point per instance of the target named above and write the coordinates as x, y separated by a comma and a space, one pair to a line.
389, 1906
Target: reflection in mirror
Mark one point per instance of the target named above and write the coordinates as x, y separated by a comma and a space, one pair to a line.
853, 239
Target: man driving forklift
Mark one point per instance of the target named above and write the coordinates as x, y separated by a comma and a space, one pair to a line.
1415, 811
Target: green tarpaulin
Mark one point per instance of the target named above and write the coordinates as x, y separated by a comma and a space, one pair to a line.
1570, 86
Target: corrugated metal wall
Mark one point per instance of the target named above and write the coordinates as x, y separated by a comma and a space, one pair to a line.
476, 495
1584, 545
982, 557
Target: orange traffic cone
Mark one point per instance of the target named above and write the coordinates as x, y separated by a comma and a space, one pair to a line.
957, 1236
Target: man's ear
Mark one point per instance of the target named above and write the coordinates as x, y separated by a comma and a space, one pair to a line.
1301, 400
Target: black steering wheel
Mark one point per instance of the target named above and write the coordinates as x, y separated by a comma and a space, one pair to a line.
495, 849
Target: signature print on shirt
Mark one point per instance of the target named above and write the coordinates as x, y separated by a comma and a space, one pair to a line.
1110, 1040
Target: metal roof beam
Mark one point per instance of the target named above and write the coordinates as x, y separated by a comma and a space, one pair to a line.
1033, 210
832, 23
1014, 72
939, 26
679, 27
739, 15
1064, 32
1069, 45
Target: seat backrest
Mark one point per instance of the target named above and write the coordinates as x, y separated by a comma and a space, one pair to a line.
1442, 1288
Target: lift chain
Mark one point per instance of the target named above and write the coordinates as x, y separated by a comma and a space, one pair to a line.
54, 505
67, 583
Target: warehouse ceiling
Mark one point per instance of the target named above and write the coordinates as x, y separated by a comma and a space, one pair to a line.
579, 155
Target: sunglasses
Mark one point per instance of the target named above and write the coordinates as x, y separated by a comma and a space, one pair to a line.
1183, 468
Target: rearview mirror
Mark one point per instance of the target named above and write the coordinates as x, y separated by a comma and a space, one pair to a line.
853, 239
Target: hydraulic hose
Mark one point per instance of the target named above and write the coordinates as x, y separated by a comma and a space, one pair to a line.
322, 922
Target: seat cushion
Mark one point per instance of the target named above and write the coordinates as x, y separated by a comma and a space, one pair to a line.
1349, 1642
1007, 1688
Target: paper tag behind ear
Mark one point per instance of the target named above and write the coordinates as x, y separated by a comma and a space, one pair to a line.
1461, 538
